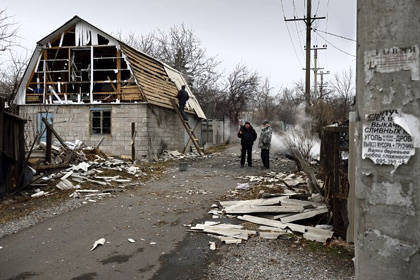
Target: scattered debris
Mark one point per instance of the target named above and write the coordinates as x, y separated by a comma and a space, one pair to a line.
100, 241
243, 186
262, 209
287, 195
212, 245
305, 215
269, 235
228, 230
39, 194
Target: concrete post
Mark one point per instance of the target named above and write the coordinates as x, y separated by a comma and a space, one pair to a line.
387, 189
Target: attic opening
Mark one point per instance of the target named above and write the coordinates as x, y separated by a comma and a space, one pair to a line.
80, 65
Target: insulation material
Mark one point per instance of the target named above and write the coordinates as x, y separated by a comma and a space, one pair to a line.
84, 34
179, 81
385, 141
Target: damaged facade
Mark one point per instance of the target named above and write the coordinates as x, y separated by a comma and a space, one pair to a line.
92, 86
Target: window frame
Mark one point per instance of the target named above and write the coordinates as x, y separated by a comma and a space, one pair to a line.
101, 121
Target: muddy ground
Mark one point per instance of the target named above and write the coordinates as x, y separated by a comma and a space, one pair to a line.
154, 214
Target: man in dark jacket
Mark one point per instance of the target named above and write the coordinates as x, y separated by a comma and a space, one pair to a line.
248, 136
182, 100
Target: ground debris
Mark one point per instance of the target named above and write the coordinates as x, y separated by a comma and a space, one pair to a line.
100, 241
261, 197
86, 168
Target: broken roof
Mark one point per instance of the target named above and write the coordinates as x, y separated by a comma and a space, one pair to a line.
157, 82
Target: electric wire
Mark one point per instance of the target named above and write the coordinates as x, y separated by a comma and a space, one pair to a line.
337, 48
335, 35
290, 36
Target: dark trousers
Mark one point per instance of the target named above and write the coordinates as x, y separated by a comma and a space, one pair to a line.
265, 156
246, 149
181, 109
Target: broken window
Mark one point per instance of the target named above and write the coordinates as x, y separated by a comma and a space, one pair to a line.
100, 120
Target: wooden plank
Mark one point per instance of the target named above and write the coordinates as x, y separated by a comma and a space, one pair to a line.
133, 138
304, 215
44, 68
159, 72
154, 65
69, 65
268, 228
48, 147
119, 72
56, 134
153, 81
304, 203
261, 209
262, 221
252, 202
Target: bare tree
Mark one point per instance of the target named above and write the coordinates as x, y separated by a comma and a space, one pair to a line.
145, 43
8, 31
265, 101
11, 74
242, 86
344, 90
181, 49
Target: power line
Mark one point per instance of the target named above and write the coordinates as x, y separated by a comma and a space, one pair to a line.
317, 8
337, 48
335, 35
290, 36
309, 20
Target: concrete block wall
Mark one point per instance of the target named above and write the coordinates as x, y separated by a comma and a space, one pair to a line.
157, 128
165, 130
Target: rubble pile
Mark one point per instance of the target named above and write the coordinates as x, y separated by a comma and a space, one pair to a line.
88, 171
282, 205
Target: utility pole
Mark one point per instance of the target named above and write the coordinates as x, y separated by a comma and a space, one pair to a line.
308, 21
315, 48
322, 85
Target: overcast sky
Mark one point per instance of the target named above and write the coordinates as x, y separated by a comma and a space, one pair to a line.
251, 32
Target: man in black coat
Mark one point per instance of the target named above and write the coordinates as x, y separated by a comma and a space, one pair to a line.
182, 100
248, 136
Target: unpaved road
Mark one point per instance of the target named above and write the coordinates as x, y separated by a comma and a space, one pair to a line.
153, 215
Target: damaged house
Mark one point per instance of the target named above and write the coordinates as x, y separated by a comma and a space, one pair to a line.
92, 87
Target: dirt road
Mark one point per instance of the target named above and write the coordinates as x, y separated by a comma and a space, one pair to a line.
153, 215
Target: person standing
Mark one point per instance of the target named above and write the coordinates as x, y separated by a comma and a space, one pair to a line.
265, 143
182, 100
248, 136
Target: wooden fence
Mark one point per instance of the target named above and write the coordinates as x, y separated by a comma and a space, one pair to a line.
12, 150
334, 164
